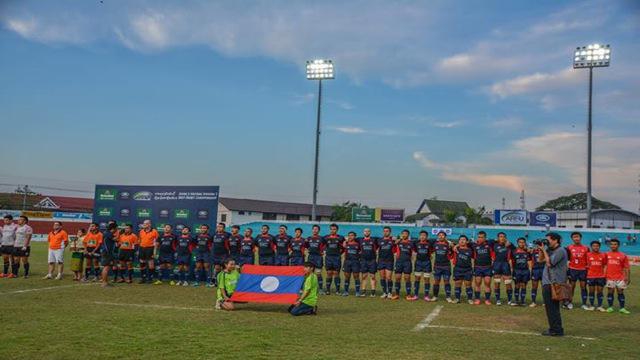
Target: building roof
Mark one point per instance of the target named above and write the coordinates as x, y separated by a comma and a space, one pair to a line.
43, 202
277, 207
439, 206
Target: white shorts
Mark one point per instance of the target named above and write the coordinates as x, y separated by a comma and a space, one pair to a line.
616, 284
56, 256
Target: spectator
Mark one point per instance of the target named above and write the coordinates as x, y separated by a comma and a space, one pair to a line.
58, 241
555, 271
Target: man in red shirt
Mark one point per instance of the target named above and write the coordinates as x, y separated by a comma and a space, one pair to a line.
618, 275
595, 275
577, 268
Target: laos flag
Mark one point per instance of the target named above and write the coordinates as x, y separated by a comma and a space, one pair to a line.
269, 284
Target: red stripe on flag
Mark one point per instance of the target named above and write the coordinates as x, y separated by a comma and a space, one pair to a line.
273, 270
264, 298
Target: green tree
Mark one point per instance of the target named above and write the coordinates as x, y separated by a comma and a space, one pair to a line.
450, 216
476, 216
342, 212
575, 202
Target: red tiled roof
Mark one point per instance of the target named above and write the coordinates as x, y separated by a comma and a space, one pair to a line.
73, 203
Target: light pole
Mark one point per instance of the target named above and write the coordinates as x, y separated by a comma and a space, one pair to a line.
590, 56
318, 70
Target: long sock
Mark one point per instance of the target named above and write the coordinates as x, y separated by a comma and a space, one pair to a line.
130, 274
15, 268
86, 272
534, 294
457, 292
509, 294
383, 285
476, 294
143, 273
469, 293
407, 287
523, 295
165, 275
621, 300
447, 290
592, 298
600, 297
398, 284
336, 281
6, 268
583, 295
517, 295
416, 287
436, 290
207, 276
487, 295
115, 273
497, 293
427, 287
347, 282
357, 285
215, 277
329, 281
26, 269
610, 299
320, 283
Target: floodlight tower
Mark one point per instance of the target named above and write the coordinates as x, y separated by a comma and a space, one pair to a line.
318, 70
590, 56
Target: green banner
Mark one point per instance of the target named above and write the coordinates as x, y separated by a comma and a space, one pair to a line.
362, 214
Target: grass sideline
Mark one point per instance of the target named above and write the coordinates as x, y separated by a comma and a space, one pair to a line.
65, 320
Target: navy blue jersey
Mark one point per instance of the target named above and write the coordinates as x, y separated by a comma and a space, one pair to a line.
220, 244
442, 253
483, 254
234, 244
386, 249
423, 250
404, 250
184, 245
108, 243
247, 244
352, 250
535, 255
315, 245
166, 243
333, 245
462, 258
297, 247
521, 259
368, 248
502, 252
282, 244
265, 244
203, 242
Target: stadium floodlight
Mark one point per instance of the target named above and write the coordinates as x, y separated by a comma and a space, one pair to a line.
590, 56
318, 69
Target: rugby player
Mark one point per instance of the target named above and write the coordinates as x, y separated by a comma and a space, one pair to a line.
92, 242
315, 249
521, 261
618, 275
502, 267
183, 249
58, 241
403, 269
483, 256
8, 233
595, 276
266, 246
296, 248
334, 246
386, 251
536, 274
127, 242
442, 269
247, 249
463, 269
147, 242
577, 268
368, 265
165, 248
282, 247
351, 266
203, 246
234, 243
219, 251
109, 241
22, 245
423, 265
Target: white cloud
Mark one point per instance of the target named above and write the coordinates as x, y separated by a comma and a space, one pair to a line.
535, 83
355, 130
349, 129
344, 105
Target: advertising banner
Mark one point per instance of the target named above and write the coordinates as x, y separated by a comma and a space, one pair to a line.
362, 214
176, 205
392, 215
436, 230
542, 218
510, 217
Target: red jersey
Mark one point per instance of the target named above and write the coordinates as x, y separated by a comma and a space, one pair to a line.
577, 256
595, 265
616, 262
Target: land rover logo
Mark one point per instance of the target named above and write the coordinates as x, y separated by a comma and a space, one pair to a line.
164, 213
543, 217
179, 227
125, 212
142, 196
513, 216
125, 195
203, 214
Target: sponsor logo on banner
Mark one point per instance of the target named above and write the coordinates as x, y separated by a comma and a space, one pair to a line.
14, 213
511, 217
203, 214
107, 194
38, 214
143, 213
160, 227
435, 231
71, 216
124, 195
396, 215
105, 211
179, 227
542, 219
362, 214
143, 196
164, 213
125, 212
196, 228
181, 213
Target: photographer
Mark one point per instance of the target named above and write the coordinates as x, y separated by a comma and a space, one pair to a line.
555, 271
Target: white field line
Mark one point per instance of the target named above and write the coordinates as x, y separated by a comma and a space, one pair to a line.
152, 306
42, 289
502, 331
432, 316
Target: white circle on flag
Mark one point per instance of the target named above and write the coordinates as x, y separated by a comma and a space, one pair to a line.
269, 284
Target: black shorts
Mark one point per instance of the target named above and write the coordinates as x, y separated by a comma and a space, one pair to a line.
18, 252
125, 255
146, 253
6, 249
106, 259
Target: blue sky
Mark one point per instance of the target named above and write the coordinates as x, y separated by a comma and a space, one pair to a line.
467, 101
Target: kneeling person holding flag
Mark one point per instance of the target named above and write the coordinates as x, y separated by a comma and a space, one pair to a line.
308, 300
227, 281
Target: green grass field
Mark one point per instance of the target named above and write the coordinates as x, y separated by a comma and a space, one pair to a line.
76, 321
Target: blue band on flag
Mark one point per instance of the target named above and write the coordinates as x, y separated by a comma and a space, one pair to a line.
269, 284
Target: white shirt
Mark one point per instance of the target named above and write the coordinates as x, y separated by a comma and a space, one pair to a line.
9, 234
21, 235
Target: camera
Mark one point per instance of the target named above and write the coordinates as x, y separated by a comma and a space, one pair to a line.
540, 242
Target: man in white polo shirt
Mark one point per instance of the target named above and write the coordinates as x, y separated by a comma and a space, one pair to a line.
22, 246
8, 239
